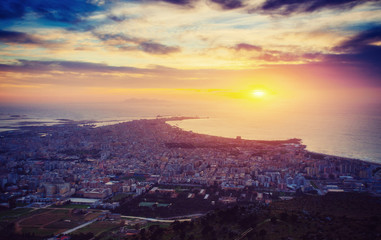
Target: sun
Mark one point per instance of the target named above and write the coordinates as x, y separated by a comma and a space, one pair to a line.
258, 93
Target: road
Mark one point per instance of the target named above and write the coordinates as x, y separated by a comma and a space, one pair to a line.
243, 235
78, 227
317, 187
186, 218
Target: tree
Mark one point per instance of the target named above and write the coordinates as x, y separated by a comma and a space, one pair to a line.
176, 226
284, 216
294, 218
205, 231
262, 233
137, 226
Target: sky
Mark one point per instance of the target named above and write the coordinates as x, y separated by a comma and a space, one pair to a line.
218, 52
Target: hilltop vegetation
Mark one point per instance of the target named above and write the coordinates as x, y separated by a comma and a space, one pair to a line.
349, 216
334, 216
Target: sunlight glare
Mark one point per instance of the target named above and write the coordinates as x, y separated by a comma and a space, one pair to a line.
258, 93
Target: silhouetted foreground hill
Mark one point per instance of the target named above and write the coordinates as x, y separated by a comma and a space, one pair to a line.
333, 216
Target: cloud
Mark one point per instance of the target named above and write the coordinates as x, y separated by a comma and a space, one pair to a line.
278, 57
224, 4
362, 50
116, 39
247, 47
18, 37
127, 43
88, 75
116, 18
365, 38
369, 56
44, 66
287, 7
62, 11
157, 48
270, 56
179, 2
229, 4
14, 37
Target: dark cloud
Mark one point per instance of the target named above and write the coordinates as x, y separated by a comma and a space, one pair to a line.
179, 2
247, 47
116, 18
365, 38
116, 39
127, 43
157, 48
62, 11
13, 37
229, 4
43, 66
361, 51
368, 56
362, 48
18, 37
278, 56
269, 55
287, 7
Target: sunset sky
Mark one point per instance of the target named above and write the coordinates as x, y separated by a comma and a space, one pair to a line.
314, 51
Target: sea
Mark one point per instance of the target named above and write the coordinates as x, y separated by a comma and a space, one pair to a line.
352, 134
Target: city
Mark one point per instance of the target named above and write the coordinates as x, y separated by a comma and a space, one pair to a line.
152, 169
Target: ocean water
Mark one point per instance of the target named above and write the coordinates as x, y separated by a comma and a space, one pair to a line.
354, 134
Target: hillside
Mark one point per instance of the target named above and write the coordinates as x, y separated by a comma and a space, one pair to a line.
333, 216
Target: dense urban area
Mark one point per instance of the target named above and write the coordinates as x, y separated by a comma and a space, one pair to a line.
126, 176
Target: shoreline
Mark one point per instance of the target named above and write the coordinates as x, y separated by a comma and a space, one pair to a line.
297, 140
167, 119
341, 158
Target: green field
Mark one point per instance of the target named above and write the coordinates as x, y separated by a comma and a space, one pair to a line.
14, 213
74, 206
98, 228
40, 231
53, 221
38, 220
138, 178
119, 196
162, 225
151, 204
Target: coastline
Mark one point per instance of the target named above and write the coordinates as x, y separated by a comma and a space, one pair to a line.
284, 141
146, 153
166, 119
342, 158
330, 155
